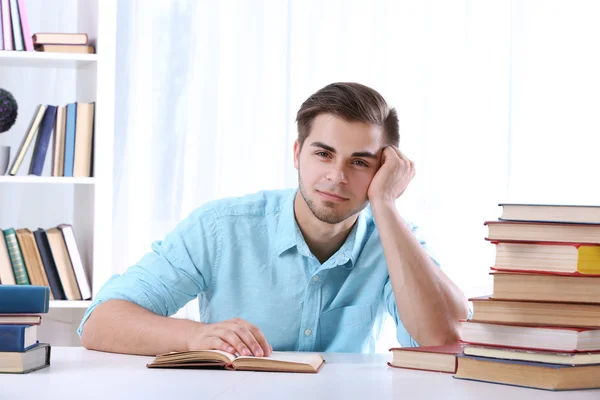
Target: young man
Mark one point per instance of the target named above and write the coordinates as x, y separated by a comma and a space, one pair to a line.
309, 269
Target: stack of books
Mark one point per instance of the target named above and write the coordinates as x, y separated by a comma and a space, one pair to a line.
44, 257
541, 326
62, 43
21, 309
72, 128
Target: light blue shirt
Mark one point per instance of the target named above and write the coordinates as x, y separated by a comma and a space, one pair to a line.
246, 257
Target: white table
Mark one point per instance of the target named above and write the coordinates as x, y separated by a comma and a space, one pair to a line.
77, 373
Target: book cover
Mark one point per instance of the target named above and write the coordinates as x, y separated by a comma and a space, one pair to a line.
70, 139
64, 267
48, 261
17, 338
27, 42
43, 141
16, 258
84, 128
24, 299
35, 358
31, 256
76, 262
16, 26
60, 38
7, 275
58, 161
1, 29
31, 131
6, 25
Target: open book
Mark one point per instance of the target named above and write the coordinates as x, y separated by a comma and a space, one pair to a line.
276, 362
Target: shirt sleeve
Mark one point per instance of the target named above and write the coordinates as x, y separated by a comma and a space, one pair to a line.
173, 273
402, 334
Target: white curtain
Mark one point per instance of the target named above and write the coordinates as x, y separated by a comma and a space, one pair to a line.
208, 92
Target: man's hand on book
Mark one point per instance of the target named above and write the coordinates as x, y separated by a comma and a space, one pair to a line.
234, 335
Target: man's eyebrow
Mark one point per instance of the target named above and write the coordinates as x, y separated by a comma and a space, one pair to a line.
365, 154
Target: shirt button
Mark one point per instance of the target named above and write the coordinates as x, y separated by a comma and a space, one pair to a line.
316, 278
307, 332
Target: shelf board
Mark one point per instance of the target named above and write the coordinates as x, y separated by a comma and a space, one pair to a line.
45, 179
46, 60
70, 303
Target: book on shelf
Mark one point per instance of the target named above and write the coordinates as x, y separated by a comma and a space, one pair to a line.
7, 275
546, 287
31, 131
276, 362
546, 338
63, 263
65, 48
528, 374
41, 239
73, 128
6, 25
16, 257
539, 356
566, 213
487, 309
43, 141
76, 262
31, 258
15, 21
577, 258
543, 232
426, 358
35, 358
59, 38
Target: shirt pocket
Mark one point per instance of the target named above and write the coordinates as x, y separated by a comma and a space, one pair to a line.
346, 329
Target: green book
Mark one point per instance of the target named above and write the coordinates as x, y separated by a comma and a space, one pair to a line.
16, 258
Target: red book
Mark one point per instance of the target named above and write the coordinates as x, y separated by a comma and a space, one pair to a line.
427, 358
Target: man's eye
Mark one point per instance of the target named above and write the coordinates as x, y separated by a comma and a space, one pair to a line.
360, 163
322, 154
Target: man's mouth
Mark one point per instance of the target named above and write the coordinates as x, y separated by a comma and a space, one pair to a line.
331, 196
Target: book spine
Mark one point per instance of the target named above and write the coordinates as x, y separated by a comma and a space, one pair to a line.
1, 28
12, 338
48, 262
16, 259
70, 139
80, 275
6, 25
25, 26
43, 141
24, 299
16, 25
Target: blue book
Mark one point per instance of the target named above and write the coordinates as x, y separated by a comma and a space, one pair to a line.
43, 141
70, 139
17, 338
24, 299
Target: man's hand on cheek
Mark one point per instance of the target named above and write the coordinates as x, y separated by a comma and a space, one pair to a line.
392, 178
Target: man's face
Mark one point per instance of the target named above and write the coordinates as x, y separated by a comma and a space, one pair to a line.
336, 165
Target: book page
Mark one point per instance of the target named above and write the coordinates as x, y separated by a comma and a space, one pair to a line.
287, 356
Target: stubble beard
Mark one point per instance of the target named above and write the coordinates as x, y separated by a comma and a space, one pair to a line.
324, 214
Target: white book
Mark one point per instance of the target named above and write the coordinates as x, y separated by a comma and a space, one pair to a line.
80, 275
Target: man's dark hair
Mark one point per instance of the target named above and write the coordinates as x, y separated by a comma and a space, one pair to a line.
351, 102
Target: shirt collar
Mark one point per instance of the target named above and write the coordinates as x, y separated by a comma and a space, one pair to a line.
289, 235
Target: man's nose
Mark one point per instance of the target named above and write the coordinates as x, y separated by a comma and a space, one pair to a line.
337, 175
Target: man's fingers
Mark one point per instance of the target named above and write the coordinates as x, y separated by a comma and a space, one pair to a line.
260, 338
219, 344
250, 341
233, 339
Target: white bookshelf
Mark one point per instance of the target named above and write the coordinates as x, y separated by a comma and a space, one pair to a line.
43, 202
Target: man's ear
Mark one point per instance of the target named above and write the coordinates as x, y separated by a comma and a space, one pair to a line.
296, 153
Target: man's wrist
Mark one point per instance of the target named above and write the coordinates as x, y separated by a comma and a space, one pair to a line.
383, 205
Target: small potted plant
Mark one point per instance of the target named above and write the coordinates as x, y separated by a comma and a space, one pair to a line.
8, 116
